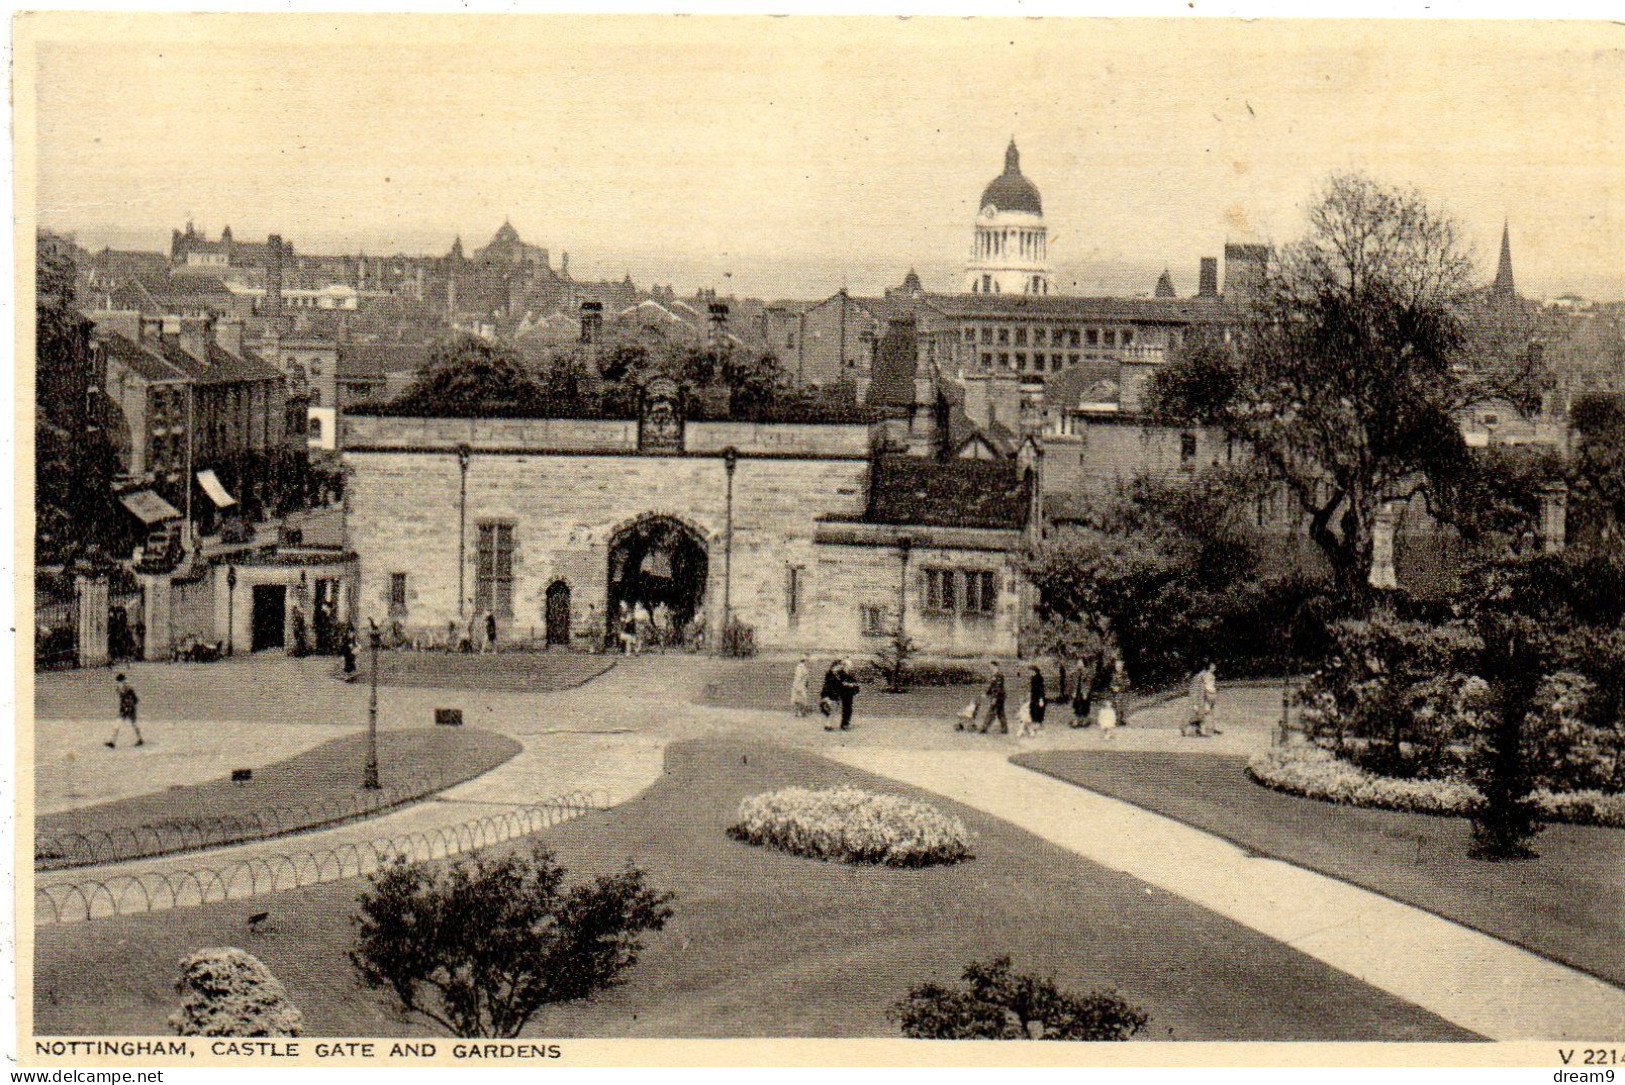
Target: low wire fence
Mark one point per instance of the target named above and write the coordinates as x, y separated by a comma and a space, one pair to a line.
95, 847
157, 891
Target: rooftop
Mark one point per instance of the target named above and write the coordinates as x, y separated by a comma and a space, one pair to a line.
947, 493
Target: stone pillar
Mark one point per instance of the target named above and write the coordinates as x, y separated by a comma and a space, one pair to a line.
1554, 517
1383, 574
158, 642
92, 596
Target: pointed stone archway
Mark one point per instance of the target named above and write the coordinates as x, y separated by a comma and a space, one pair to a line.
660, 572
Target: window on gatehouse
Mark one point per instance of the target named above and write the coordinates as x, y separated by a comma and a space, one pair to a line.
493, 576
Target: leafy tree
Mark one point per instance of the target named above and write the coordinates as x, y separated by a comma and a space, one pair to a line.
480, 946
469, 376
1598, 497
996, 1003
1350, 367
892, 659
752, 380
1156, 570
76, 515
1493, 493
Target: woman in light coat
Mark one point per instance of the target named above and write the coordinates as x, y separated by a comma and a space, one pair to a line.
799, 703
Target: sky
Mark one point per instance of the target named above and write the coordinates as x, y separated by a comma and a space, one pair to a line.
791, 156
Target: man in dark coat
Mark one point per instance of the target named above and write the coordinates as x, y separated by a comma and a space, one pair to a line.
829, 695
127, 702
847, 690
1036, 701
995, 703
347, 645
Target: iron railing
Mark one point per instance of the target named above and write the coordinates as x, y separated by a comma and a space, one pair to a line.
157, 891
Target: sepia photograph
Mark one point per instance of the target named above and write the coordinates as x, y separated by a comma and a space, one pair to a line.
549, 538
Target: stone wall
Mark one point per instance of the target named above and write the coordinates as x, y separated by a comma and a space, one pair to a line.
600, 436
850, 576
565, 509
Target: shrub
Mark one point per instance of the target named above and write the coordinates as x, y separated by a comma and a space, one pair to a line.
479, 946
1316, 773
997, 1004
1570, 753
852, 826
1401, 686
229, 992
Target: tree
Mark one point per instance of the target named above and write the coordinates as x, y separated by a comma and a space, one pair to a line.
892, 659
481, 946
1156, 570
752, 380
1599, 463
76, 514
1350, 366
468, 376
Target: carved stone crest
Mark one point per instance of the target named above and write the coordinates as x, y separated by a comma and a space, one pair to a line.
660, 424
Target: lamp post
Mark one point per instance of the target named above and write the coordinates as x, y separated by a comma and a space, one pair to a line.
463, 453
369, 778
730, 461
905, 544
231, 614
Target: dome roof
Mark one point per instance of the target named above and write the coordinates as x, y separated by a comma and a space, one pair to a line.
1010, 191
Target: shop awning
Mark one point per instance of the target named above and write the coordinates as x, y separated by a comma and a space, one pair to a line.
149, 506
217, 493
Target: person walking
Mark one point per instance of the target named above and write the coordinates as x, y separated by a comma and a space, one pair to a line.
1083, 690
1204, 698
995, 702
127, 702
490, 644
1037, 702
829, 695
629, 630
1119, 686
798, 689
848, 691
347, 651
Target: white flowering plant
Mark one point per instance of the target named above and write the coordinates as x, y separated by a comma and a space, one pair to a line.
1316, 773
848, 824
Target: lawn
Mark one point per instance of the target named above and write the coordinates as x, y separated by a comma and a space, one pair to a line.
316, 787
503, 672
1569, 904
767, 944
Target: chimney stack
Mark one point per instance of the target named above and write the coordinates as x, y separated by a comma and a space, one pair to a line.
1244, 269
592, 320
719, 320
195, 335
229, 334
1208, 279
273, 276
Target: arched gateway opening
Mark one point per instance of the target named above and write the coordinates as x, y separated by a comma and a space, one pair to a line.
657, 576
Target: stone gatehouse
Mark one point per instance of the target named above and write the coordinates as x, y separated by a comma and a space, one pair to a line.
812, 534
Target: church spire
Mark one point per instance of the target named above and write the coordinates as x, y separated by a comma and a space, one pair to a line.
1503, 287
1012, 157
1165, 285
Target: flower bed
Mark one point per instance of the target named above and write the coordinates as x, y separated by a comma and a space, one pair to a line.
1316, 773
852, 826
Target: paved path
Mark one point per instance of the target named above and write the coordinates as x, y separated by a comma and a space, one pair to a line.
487, 810
1490, 987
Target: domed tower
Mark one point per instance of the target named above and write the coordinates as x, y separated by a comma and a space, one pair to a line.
1011, 251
